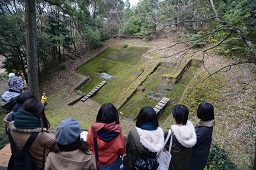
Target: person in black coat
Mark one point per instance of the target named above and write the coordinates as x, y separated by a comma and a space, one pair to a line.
204, 129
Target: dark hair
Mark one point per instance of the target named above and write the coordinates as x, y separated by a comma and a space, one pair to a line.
147, 114
205, 111
180, 113
107, 114
78, 144
37, 108
23, 97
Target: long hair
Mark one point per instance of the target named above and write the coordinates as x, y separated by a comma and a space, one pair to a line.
147, 115
37, 108
107, 114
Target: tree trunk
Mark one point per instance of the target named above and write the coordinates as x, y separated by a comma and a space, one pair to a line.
254, 155
31, 43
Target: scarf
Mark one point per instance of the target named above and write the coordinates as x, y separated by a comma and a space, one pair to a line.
26, 120
148, 126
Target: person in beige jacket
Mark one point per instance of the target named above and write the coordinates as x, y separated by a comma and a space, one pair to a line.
31, 118
70, 152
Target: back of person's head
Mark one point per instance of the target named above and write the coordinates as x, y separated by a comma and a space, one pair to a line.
23, 97
37, 108
68, 131
107, 114
180, 114
205, 111
147, 115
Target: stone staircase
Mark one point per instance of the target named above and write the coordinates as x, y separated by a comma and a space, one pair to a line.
161, 104
93, 91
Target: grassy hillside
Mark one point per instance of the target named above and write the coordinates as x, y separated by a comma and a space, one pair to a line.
231, 91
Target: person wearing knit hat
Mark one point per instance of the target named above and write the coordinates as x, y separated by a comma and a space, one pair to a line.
15, 88
15, 83
68, 132
11, 75
70, 152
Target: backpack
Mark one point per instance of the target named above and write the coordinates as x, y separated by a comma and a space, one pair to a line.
21, 159
146, 162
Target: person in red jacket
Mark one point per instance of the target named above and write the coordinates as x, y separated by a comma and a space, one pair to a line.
105, 138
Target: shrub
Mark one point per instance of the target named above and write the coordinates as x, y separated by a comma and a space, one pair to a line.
219, 159
125, 45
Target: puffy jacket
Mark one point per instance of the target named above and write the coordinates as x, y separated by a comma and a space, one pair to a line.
110, 141
142, 142
201, 150
184, 138
41, 144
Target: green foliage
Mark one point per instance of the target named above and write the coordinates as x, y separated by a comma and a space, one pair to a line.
12, 43
3, 136
219, 159
142, 21
125, 45
132, 26
195, 39
239, 12
234, 46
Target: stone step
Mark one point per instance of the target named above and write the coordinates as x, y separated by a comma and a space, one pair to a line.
158, 107
93, 91
157, 110
161, 104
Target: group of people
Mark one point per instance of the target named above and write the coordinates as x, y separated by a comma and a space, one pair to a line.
15, 88
105, 146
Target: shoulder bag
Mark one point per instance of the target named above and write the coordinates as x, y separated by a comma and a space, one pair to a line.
164, 156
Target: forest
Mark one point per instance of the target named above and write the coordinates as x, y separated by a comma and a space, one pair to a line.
66, 29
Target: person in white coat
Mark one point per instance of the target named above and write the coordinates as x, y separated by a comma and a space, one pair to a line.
184, 138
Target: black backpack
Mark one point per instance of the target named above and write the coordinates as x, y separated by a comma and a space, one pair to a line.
146, 162
21, 159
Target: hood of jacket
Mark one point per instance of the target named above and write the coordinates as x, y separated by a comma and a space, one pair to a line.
106, 134
209, 123
7, 96
153, 140
13, 127
186, 135
70, 160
